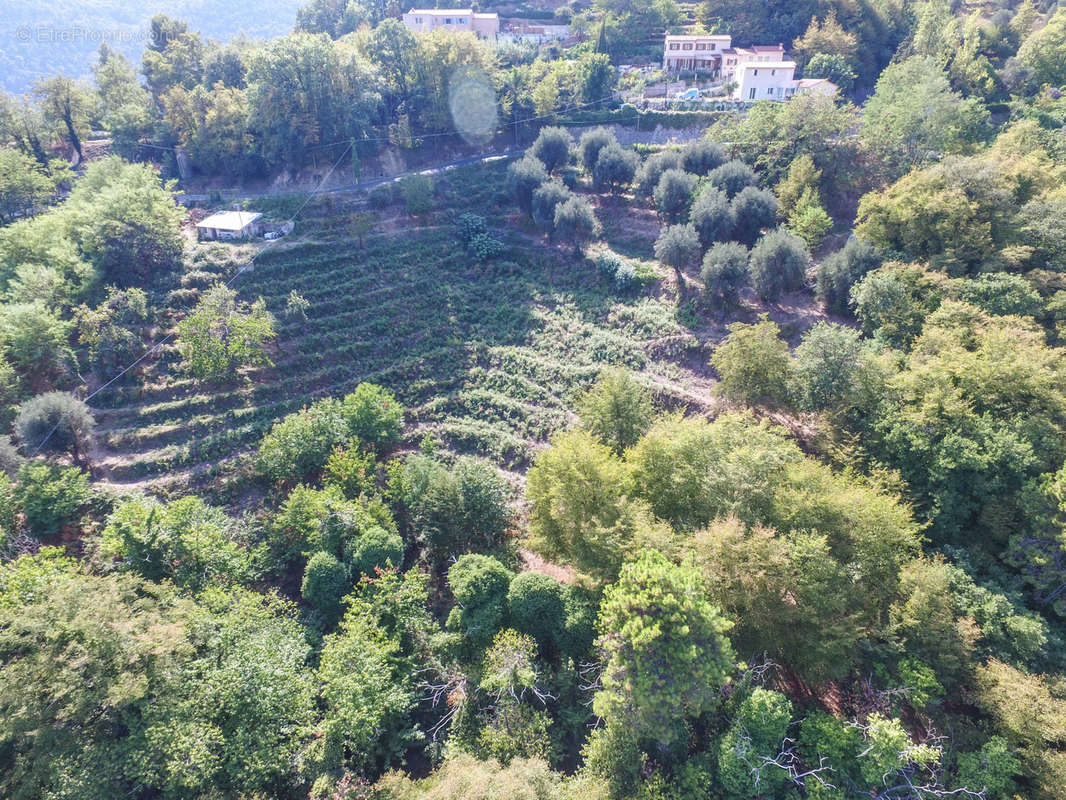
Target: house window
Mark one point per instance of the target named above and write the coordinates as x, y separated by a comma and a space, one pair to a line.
447, 20
688, 46
461, 21
418, 20
770, 90
755, 72
711, 46
673, 46
752, 95
701, 47
773, 72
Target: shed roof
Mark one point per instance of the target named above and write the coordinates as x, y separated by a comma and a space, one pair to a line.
230, 220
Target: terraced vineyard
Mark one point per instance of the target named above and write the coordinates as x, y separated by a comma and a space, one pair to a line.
488, 358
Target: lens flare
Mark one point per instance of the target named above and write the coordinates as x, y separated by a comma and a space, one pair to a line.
472, 100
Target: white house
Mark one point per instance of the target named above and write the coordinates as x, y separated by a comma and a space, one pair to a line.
734, 58
694, 51
765, 80
229, 225
822, 86
484, 26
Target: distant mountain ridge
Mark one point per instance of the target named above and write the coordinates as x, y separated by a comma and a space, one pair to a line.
40, 38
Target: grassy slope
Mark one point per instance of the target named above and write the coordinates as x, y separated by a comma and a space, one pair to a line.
488, 358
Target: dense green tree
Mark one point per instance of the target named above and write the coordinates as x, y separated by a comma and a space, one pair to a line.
778, 264
617, 409
374, 416
913, 116
673, 194
892, 302
1044, 51
67, 107
480, 585
590, 145
299, 445
375, 548
833, 67
712, 216
615, 167
575, 223
678, 247
732, 177
753, 210
548, 197
221, 335
173, 55
25, 186
664, 648
841, 270
50, 496
754, 738
725, 272
700, 156
653, 168
340, 17
113, 331
325, 582
552, 148
753, 363
536, 605
35, 340
524, 177
827, 366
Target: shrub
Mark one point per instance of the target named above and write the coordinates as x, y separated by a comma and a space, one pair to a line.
592, 142
753, 210
827, 366
417, 194
615, 167
725, 272
673, 194
10, 460
653, 168
299, 445
548, 196
485, 247
325, 583
468, 225
351, 470
732, 177
50, 496
753, 363
296, 307
712, 216
809, 220
552, 148
537, 609
373, 548
479, 584
778, 264
55, 422
625, 277
523, 178
842, 270
374, 416
617, 410
608, 264
701, 156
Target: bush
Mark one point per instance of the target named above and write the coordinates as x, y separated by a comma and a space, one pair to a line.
809, 220
732, 177
55, 422
299, 445
468, 225
374, 548
653, 168
417, 194
673, 194
725, 272
625, 277
373, 416
485, 247
592, 142
523, 178
351, 470
325, 583
548, 196
827, 366
552, 148
712, 216
701, 156
51, 496
480, 585
753, 363
778, 264
615, 167
753, 210
608, 264
537, 609
10, 460
842, 270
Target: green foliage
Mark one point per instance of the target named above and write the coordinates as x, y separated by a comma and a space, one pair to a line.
480, 585
222, 335
548, 197
374, 416
325, 582
664, 647
678, 247
617, 410
51, 497
575, 223
55, 422
185, 541
732, 177
673, 194
712, 216
351, 470
752, 210
552, 148
34, 339
417, 194
579, 510
992, 768
113, 331
615, 167
841, 270
592, 142
700, 156
778, 264
1044, 51
524, 177
754, 736
537, 608
833, 67
753, 363
893, 302
299, 445
374, 548
725, 272
25, 185
827, 366
651, 171
809, 220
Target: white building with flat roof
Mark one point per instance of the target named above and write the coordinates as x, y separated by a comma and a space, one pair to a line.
424, 20
695, 51
765, 80
229, 225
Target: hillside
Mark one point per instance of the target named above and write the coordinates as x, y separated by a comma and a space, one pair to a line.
45, 37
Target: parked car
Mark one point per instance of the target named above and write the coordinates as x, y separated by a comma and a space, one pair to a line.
272, 235
688, 94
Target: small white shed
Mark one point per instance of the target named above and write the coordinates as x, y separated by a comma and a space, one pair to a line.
229, 225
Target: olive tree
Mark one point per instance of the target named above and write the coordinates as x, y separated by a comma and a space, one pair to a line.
552, 148
778, 264
55, 422
221, 335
